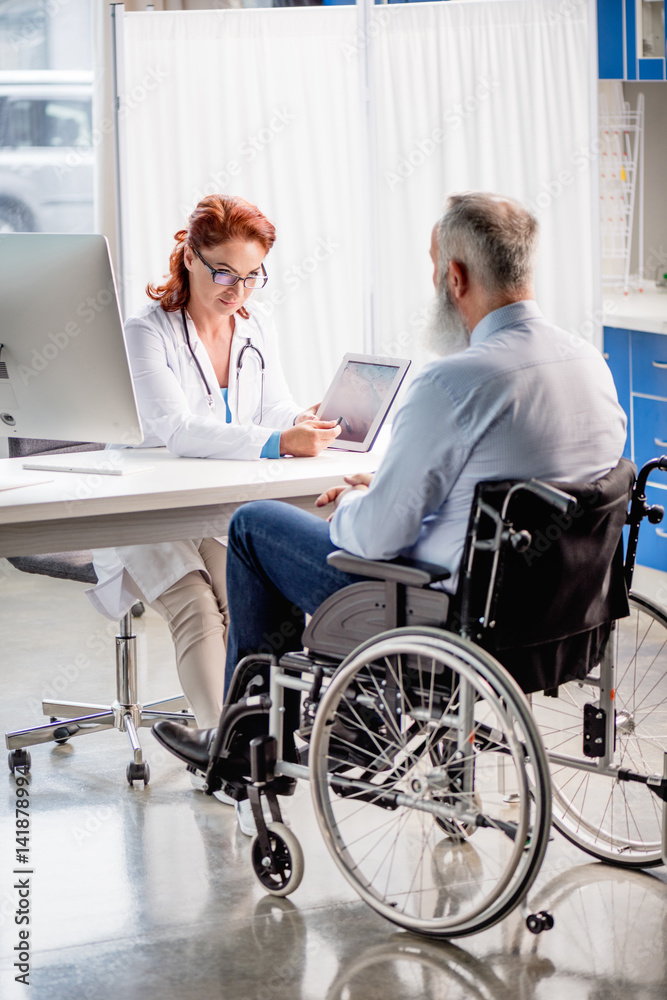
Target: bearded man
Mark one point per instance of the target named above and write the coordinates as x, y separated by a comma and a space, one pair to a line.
512, 397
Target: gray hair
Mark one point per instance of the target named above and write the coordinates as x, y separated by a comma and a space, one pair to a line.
495, 238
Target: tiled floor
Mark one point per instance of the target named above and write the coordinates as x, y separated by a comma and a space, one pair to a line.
148, 892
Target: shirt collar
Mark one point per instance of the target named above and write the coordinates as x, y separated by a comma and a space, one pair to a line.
506, 316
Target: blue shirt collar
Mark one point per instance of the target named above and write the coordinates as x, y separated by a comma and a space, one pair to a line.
506, 316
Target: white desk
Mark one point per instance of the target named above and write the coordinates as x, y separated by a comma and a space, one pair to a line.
177, 498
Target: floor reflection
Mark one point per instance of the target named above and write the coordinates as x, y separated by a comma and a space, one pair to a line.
149, 893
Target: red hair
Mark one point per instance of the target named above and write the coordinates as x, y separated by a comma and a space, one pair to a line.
217, 219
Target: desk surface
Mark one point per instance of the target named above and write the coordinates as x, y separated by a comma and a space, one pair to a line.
175, 498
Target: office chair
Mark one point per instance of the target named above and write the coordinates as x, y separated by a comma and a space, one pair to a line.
69, 719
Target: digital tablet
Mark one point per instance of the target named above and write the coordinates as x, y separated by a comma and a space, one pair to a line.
363, 389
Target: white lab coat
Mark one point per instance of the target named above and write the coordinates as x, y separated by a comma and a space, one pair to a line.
175, 412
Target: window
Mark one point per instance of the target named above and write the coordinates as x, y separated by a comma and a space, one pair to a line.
54, 123
46, 152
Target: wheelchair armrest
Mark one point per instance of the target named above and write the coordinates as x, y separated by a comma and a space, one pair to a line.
411, 572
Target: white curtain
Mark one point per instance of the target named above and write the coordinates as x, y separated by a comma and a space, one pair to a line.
490, 94
262, 104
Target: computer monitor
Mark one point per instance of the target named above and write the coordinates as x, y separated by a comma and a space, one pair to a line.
64, 370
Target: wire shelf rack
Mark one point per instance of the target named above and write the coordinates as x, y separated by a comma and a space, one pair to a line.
621, 133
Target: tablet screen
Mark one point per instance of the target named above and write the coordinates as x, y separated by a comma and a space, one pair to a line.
361, 394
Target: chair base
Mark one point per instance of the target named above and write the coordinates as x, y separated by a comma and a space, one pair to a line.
71, 718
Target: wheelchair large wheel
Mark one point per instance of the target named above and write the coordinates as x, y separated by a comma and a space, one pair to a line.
408, 744
617, 821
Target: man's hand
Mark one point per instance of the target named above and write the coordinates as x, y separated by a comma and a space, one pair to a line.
359, 481
308, 438
308, 414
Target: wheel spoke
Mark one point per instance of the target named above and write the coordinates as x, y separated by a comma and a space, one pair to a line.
615, 820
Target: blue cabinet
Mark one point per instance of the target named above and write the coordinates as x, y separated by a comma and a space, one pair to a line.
611, 65
638, 362
649, 364
650, 430
619, 57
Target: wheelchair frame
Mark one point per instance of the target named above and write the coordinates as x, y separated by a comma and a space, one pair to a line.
416, 729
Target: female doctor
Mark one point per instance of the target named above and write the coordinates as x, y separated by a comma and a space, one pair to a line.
209, 384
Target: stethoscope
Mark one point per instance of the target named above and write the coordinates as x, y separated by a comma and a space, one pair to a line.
248, 346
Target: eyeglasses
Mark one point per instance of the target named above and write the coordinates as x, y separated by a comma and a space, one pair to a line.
230, 279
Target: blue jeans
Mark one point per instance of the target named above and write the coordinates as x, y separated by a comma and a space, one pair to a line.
277, 571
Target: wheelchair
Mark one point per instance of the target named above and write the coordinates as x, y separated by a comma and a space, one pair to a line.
443, 734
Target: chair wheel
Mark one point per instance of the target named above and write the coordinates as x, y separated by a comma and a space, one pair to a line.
19, 759
538, 922
61, 735
138, 772
281, 872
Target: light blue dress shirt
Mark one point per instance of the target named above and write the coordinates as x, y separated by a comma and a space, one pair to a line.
526, 399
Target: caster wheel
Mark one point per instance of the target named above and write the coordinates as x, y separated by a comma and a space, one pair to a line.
60, 735
19, 760
538, 922
138, 772
282, 871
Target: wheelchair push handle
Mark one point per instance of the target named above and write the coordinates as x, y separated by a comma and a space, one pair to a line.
640, 508
563, 502
646, 470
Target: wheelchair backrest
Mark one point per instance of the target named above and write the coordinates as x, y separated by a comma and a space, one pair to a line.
553, 603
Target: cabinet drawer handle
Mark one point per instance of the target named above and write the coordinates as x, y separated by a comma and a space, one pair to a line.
659, 364
659, 444
660, 533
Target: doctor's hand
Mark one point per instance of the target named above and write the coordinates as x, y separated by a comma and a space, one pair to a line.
308, 438
308, 414
359, 481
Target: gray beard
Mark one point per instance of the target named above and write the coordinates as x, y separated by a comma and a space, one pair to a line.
445, 332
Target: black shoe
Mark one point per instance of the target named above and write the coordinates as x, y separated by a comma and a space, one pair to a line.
190, 745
